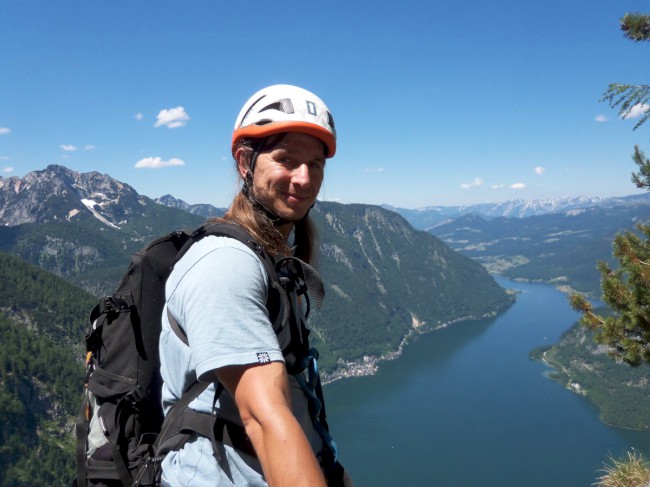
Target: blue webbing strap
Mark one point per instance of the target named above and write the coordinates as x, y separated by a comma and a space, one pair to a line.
310, 387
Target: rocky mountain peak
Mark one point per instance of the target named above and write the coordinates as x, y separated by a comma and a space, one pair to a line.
59, 193
204, 210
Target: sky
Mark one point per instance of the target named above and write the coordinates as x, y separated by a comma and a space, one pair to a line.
435, 102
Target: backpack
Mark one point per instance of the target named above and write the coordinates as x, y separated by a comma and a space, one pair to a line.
119, 424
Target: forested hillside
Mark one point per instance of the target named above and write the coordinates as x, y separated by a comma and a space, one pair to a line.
618, 390
559, 248
42, 321
384, 278
86, 251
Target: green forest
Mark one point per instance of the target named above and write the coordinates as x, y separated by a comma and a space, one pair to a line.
620, 391
42, 319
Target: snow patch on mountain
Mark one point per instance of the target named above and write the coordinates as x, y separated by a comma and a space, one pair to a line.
90, 204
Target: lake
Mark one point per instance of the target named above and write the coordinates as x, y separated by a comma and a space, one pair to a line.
465, 406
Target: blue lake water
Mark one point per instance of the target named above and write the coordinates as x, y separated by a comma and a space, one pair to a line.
466, 406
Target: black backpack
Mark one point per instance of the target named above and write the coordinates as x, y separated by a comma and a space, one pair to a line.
122, 396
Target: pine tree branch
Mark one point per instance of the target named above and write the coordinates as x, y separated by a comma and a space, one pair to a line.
636, 26
595, 317
629, 98
642, 178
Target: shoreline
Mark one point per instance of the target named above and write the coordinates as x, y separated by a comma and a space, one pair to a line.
369, 364
566, 380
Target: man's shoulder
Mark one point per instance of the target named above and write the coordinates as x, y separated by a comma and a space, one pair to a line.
224, 250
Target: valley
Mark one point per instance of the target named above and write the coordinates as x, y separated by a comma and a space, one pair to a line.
386, 283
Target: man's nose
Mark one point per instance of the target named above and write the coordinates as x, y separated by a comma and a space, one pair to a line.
301, 175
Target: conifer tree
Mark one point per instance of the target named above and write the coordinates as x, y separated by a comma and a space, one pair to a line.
626, 290
627, 97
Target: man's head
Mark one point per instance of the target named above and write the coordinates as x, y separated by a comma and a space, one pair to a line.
281, 139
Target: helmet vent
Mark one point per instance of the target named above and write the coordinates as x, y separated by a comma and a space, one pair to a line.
283, 105
330, 120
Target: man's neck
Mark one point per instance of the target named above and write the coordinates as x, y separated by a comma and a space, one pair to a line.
286, 230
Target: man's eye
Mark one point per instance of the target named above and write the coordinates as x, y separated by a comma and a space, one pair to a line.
316, 165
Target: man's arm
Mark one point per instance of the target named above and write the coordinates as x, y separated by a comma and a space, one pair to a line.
262, 395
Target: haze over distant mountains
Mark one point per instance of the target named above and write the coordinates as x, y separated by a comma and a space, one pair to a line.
427, 217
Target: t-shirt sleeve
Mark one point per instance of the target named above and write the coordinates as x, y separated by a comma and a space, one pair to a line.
221, 302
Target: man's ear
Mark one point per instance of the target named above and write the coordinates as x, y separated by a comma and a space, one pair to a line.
242, 161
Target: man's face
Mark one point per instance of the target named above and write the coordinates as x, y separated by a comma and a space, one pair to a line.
288, 177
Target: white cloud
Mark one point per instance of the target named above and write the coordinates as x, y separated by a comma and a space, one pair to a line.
477, 182
138, 116
89, 147
68, 148
4, 158
539, 170
172, 118
517, 186
636, 111
157, 163
4, 130
496, 186
374, 169
601, 118
8, 169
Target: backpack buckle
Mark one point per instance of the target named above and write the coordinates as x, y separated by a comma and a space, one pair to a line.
116, 303
134, 397
106, 305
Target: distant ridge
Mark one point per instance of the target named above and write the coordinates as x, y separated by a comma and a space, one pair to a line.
204, 210
427, 217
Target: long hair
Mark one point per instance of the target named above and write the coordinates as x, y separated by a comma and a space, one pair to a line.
245, 213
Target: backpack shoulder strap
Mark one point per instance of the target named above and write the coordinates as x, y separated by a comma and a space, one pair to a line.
225, 229
277, 299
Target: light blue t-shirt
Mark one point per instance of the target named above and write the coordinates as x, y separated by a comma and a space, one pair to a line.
218, 292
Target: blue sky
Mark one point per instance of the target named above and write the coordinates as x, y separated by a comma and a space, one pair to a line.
436, 102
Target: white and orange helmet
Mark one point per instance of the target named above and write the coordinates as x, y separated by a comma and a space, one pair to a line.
285, 108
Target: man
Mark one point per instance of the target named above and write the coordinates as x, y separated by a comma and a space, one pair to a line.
218, 294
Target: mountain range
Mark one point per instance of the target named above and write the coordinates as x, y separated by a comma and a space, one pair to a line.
84, 226
427, 217
557, 248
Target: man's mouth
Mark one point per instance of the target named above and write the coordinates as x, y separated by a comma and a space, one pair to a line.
296, 197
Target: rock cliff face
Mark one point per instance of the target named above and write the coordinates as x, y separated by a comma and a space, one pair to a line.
58, 193
81, 226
